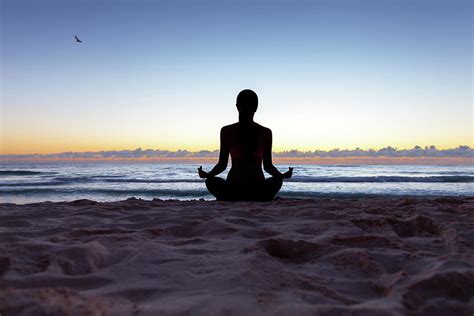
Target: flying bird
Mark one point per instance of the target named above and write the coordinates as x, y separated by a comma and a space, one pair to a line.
77, 39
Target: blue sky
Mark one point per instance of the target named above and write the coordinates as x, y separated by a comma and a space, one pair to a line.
165, 74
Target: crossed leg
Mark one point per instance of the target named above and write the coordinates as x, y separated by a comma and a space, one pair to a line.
225, 191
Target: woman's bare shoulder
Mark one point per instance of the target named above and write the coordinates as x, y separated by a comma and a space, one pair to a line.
229, 127
263, 129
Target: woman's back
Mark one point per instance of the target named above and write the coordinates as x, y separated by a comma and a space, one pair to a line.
246, 147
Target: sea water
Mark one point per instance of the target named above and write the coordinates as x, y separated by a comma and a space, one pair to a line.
38, 182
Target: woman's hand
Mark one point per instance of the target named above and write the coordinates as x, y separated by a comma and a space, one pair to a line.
202, 174
288, 174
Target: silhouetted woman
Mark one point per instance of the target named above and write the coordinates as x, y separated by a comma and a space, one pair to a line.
248, 144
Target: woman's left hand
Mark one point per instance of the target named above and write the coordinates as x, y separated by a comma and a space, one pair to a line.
202, 174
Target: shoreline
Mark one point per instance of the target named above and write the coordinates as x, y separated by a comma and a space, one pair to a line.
364, 256
322, 197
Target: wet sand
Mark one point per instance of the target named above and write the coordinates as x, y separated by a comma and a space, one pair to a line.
366, 256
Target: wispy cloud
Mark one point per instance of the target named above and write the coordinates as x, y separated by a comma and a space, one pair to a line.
417, 151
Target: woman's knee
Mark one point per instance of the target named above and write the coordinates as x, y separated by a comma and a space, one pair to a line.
272, 187
217, 187
209, 181
275, 182
213, 181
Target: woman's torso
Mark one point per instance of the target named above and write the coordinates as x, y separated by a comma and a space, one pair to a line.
246, 148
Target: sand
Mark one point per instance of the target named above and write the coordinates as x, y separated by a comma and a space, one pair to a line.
368, 256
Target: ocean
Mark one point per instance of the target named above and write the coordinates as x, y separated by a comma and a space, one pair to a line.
103, 181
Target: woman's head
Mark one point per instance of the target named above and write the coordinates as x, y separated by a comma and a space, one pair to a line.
247, 103
247, 100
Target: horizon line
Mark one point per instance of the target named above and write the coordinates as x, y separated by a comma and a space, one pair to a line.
462, 151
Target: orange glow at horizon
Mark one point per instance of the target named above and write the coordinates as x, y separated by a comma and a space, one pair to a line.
55, 146
150, 128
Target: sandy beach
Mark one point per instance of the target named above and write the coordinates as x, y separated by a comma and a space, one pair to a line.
366, 256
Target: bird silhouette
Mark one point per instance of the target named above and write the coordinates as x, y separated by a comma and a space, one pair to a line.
77, 39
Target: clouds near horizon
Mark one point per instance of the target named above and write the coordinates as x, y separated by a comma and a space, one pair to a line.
417, 151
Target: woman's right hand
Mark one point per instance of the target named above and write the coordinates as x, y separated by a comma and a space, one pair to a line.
288, 174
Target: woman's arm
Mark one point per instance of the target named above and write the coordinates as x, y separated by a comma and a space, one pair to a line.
267, 159
267, 156
223, 158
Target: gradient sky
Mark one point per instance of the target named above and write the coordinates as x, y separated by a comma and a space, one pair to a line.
165, 74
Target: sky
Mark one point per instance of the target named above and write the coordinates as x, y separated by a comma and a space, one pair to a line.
165, 74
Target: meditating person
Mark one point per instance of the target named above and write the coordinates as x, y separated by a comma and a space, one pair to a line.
248, 144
